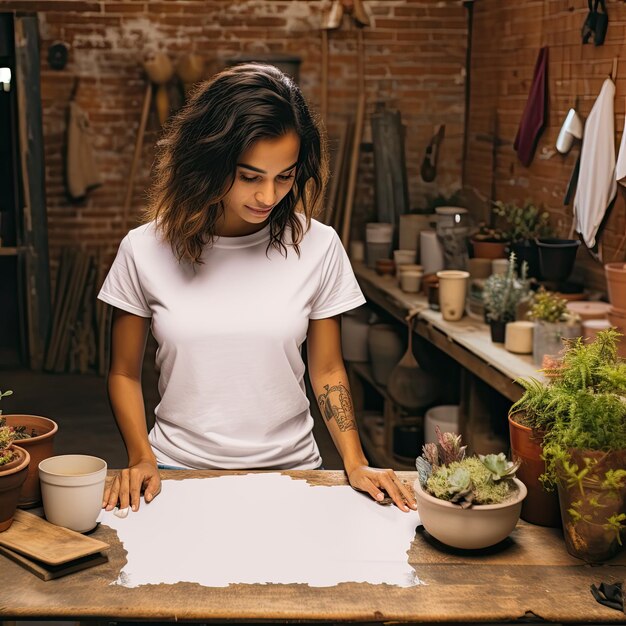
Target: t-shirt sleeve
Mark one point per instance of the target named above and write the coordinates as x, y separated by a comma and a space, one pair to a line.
338, 291
122, 286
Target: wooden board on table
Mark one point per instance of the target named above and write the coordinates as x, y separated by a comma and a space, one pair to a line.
46, 571
36, 538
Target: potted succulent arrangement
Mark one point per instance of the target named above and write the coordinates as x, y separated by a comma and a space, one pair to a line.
466, 502
581, 413
489, 243
523, 225
553, 323
14, 462
36, 435
502, 294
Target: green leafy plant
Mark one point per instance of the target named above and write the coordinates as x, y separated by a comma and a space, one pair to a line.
547, 306
7, 436
525, 222
581, 410
447, 474
486, 233
19, 432
503, 292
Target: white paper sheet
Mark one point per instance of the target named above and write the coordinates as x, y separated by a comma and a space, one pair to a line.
264, 528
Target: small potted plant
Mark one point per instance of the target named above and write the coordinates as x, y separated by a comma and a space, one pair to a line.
502, 293
14, 462
553, 323
489, 243
582, 413
35, 434
466, 502
523, 225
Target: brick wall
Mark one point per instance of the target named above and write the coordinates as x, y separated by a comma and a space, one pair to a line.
414, 59
505, 42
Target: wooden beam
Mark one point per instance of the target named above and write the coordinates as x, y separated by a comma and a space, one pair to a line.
50, 5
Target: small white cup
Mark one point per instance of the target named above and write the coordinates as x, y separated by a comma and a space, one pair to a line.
519, 337
404, 257
357, 251
411, 281
72, 487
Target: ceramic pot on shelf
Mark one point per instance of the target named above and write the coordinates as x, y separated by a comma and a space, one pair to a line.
556, 257
386, 348
616, 284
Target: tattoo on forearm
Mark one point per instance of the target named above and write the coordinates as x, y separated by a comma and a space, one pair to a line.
336, 404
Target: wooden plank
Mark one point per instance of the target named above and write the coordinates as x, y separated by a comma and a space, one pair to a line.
38, 539
50, 5
34, 214
63, 275
50, 572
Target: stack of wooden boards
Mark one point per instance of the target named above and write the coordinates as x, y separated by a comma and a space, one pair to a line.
49, 551
78, 340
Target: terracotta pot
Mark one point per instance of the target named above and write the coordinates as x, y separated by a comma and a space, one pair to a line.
39, 448
12, 477
540, 506
616, 284
587, 536
479, 526
489, 249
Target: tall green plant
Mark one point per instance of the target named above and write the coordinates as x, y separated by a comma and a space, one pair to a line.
503, 292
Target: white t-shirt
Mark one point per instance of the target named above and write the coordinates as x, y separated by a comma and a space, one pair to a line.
229, 332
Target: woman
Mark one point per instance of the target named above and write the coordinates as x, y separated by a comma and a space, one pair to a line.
232, 275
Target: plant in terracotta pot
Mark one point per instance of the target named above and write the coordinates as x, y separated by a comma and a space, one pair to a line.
582, 413
36, 435
466, 502
553, 323
523, 224
489, 243
502, 294
14, 462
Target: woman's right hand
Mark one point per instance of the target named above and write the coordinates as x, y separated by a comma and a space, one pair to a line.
127, 486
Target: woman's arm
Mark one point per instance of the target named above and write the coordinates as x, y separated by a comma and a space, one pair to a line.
330, 384
128, 341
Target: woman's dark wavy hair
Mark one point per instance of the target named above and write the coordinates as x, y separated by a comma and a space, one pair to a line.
198, 155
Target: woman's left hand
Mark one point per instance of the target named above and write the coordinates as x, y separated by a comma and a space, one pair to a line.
373, 480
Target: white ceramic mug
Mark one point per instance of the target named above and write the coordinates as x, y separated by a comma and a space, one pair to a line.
452, 292
72, 487
411, 281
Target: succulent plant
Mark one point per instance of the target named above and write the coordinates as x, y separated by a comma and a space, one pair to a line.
547, 306
503, 292
7, 437
446, 473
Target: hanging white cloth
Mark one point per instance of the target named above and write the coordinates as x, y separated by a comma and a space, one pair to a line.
620, 168
596, 180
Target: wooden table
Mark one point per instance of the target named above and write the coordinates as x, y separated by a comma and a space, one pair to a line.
530, 577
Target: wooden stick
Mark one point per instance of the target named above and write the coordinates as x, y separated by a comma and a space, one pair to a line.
138, 146
324, 78
331, 199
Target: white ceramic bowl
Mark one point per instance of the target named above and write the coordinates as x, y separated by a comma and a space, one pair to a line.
479, 526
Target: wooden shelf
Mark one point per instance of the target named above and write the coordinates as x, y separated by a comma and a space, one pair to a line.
379, 457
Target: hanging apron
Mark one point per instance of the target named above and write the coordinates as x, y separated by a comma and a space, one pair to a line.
534, 115
596, 179
81, 171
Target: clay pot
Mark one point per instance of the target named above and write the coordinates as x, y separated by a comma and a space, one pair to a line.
479, 526
489, 249
354, 332
39, 448
518, 337
452, 293
540, 506
588, 310
588, 537
12, 477
616, 284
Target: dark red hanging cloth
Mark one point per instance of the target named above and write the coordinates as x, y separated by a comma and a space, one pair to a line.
534, 116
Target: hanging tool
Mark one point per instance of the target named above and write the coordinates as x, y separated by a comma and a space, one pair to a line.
428, 170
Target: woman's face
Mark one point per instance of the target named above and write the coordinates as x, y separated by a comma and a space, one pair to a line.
265, 174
